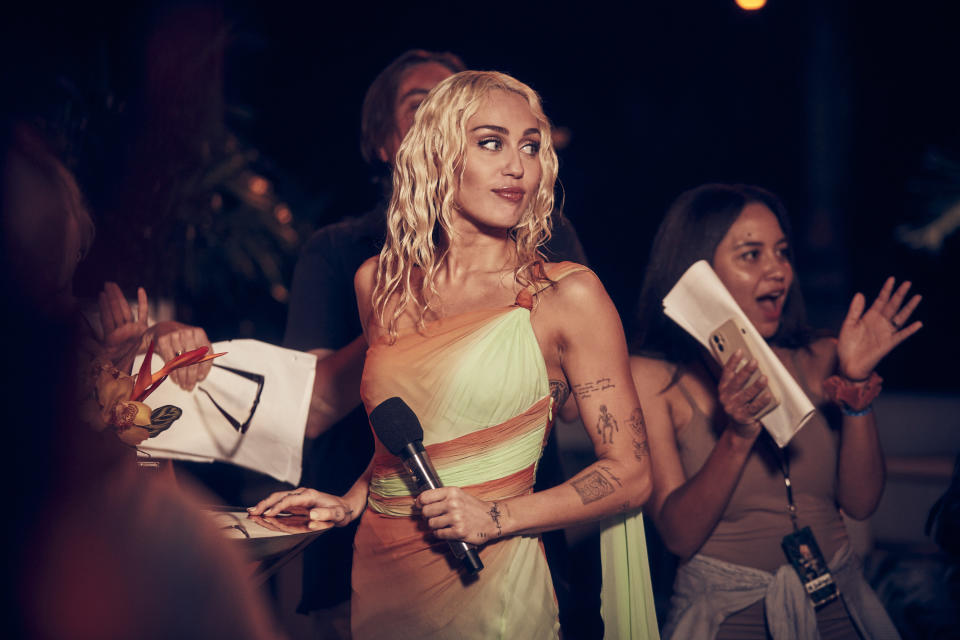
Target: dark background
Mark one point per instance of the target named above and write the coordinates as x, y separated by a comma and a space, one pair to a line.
849, 111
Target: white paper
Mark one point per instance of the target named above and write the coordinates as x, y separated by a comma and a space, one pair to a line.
699, 303
273, 441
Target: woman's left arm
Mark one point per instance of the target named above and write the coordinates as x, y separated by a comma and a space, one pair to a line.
866, 337
593, 355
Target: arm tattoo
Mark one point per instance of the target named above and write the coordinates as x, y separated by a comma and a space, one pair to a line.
640, 447
592, 487
495, 516
612, 475
588, 389
560, 392
606, 425
636, 421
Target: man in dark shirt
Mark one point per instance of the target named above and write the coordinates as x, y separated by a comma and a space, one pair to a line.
323, 318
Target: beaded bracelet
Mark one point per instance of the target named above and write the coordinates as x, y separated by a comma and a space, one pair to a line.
854, 397
846, 410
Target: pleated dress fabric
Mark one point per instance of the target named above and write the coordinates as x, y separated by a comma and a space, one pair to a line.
478, 383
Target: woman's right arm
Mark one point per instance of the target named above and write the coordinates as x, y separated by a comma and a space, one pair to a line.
686, 510
326, 509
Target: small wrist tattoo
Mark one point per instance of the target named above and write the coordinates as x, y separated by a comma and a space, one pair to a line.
495, 516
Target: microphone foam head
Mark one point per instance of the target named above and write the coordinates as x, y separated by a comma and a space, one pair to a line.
395, 424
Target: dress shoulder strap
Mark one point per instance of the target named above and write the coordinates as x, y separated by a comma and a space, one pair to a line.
555, 272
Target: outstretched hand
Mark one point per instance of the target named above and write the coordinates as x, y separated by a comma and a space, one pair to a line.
324, 510
867, 337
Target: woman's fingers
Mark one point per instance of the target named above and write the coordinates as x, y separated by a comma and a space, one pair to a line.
432, 496
883, 298
291, 524
336, 514
143, 308
169, 345
442, 509
855, 311
118, 304
901, 317
906, 332
734, 377
893, 304
299, 499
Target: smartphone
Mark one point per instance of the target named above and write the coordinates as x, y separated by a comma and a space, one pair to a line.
724, 342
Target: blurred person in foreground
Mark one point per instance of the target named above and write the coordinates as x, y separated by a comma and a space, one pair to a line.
101, 550
735, 508
484, 339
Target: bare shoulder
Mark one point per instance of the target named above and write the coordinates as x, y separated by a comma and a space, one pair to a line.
651, 375
363, 283
577, 288
366, 276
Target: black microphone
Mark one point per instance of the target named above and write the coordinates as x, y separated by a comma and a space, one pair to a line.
398, 428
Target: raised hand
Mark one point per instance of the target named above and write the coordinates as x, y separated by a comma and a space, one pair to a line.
323, 509
123, 330
454, 514
742, 401
867, 337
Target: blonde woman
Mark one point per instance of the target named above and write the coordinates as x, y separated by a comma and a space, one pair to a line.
485, 342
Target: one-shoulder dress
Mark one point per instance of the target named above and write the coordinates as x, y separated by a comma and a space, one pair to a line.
478, 383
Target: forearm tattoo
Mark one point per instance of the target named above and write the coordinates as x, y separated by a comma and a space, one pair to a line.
495, 516
588, 389
592, 487
612, 475
640, 447
606, 425
560, 392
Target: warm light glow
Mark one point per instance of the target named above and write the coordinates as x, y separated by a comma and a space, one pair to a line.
282, 213
258, 186
279, 292
751, 5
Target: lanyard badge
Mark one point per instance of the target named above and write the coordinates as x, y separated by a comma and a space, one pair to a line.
805, 556
802, 550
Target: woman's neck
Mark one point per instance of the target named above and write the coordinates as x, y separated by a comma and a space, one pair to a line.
476, 254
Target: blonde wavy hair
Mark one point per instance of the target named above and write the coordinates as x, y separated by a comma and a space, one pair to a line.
426, 177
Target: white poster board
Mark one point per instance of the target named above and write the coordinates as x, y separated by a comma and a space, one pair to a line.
250, 411
699, 303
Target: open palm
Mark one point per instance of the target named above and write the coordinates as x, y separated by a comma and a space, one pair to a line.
123, 329
867, 337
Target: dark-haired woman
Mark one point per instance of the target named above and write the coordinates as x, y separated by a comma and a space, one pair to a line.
721, 500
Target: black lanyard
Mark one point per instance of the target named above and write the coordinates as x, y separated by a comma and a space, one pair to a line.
783, 461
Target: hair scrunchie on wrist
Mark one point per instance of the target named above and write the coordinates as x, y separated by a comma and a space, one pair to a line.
855, 397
